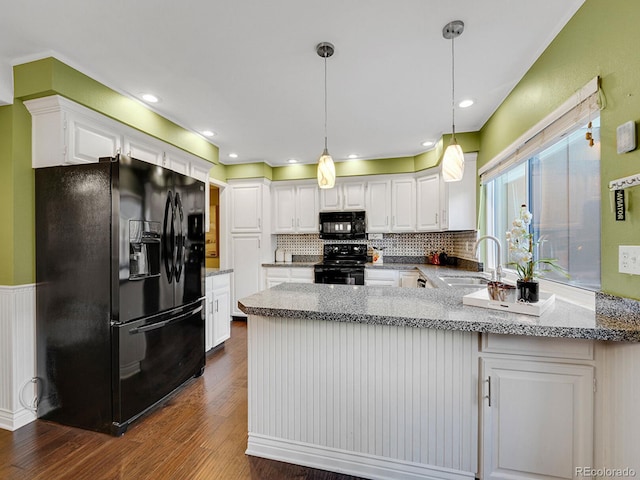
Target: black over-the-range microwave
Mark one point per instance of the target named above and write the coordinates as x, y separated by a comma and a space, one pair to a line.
343, 225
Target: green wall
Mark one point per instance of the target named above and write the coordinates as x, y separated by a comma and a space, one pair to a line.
601, 39
43, 78
48, 76
17, 237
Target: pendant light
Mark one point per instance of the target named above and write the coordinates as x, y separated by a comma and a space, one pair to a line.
453, 161
326, 168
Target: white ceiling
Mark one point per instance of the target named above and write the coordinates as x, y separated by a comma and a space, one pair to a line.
248, 70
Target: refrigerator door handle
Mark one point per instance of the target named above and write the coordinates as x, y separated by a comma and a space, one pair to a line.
168, 252
164, 323
179, 237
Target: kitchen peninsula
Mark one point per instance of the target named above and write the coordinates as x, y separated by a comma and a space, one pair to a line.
386, 382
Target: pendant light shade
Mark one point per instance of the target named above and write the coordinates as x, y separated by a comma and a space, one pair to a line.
453, 163
326, 168
326, 171
453, 160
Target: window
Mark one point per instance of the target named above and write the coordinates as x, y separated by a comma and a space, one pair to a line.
560, 184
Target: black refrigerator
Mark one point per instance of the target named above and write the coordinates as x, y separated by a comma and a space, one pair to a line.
120, 290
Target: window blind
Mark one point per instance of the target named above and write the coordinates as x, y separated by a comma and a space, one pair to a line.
579, 108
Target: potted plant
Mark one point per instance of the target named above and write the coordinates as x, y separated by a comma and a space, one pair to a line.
521, 246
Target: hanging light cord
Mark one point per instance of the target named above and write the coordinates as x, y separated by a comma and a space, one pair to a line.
453, 89
325, 100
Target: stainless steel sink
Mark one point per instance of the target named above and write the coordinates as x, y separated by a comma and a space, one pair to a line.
465, 281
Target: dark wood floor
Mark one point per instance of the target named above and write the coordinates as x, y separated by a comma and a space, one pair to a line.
201, 433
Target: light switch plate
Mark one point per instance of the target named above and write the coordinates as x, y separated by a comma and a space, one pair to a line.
629, 259
375, 236
626, 137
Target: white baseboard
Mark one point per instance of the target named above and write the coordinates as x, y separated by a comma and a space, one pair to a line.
14, 420
17, 353
346, 462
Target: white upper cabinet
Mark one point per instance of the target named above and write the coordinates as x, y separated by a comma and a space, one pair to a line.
307, 208
88, 140
428, 207
459, 199
295, 208
64, 132
144, 150
403, 205
447, 205
284, 208
353, 194
345, 196
246, 208
379, 206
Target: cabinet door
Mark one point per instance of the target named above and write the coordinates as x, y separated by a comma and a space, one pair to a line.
307, 209
143, 150
378, 206
331, 198
459, 208
284, 209
177, 164
221, 315
353, 196
246, 208
409, 279
246, 254
89, 140
403, 205
428, 203
537, 419
208, 319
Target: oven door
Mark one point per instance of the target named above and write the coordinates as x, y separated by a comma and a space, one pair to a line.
339, 275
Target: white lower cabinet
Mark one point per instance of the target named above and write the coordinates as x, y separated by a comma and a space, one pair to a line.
277, 275
382, 277
409, 279
218, 310
246, 252
537, 417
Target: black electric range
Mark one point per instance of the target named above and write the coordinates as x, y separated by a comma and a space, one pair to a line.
342, 263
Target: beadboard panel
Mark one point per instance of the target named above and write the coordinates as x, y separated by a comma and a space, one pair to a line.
619, 383
17, 354
399, 393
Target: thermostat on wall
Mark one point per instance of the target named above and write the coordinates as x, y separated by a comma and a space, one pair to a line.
626, 137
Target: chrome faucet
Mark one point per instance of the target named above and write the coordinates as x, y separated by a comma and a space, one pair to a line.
497, 274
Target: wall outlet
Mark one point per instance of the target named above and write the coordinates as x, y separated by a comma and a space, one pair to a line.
629, 259
375, 236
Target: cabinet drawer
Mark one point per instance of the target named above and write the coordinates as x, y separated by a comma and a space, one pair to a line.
538, 346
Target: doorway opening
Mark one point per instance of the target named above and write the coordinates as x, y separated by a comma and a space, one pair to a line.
212, 237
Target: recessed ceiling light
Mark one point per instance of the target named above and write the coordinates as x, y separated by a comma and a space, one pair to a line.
233, 155
352, 156
147, 97
428, 143
208, 133
465, 103
292, 160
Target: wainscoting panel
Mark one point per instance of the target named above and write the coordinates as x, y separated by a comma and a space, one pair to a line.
389, 393
17, 354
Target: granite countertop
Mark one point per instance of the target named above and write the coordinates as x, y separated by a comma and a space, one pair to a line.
439, 308
211, 272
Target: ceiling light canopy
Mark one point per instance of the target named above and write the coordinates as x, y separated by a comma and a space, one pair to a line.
453, 160
326, 167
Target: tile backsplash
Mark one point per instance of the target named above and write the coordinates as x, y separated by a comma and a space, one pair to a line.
456, 244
